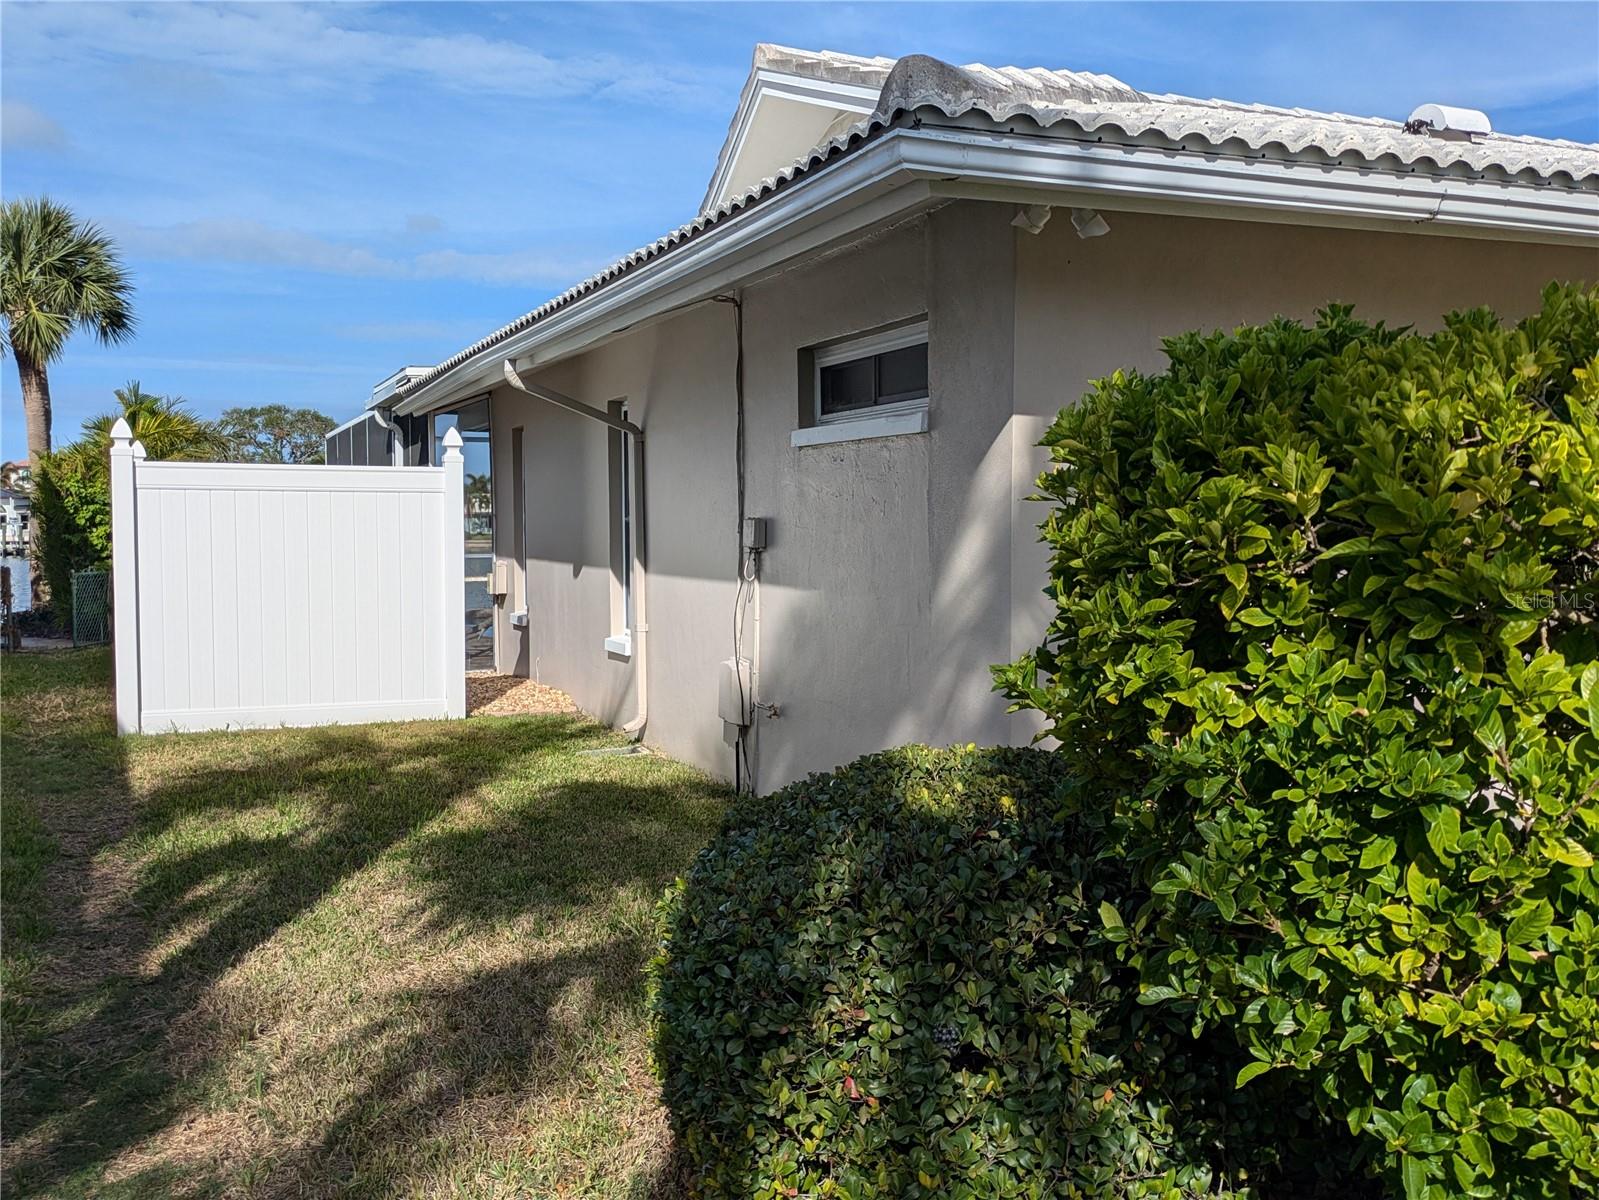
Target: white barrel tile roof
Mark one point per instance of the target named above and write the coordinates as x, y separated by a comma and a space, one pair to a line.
1099, 106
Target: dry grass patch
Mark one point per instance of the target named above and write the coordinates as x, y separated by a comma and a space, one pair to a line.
384, 960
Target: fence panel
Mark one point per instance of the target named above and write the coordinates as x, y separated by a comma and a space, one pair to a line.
260, 595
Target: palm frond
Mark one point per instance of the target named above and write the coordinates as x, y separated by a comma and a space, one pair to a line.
167, 428
59, 274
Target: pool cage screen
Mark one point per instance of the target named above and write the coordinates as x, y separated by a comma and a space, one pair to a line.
366, 442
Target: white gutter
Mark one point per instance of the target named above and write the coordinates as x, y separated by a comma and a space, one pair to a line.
641, 621
1029, 168
907, 167
855, 193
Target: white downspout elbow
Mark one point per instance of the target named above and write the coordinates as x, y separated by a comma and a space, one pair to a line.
641, 574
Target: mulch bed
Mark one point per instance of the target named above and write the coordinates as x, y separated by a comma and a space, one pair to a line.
491, 695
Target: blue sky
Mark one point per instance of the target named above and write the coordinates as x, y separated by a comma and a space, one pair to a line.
312, 196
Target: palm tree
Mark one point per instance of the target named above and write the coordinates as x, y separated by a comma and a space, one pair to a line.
162, 424
57, 274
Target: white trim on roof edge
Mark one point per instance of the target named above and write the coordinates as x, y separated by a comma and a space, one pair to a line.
855, 193
1025, 168
906, 168
780, 85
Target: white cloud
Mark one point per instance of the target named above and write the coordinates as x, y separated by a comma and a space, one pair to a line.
325, 46
140, 362
24, 127
171, 82
412, 331
509, 267
254, 243
242, 241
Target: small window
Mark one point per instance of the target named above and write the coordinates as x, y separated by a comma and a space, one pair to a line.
871, 376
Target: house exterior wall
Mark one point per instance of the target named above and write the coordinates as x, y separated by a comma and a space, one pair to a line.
1088, 306
880, 593
897, 569
872, 591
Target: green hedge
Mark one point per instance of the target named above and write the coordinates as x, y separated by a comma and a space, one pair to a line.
896, 981
1326, 620
71, 520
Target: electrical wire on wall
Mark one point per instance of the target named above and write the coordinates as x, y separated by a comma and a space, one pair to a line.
747, 563
743, 767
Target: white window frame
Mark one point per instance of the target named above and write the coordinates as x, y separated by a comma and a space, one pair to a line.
880, 420
869, 346
620, 643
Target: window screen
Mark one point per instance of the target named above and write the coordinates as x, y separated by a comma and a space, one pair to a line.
866, 375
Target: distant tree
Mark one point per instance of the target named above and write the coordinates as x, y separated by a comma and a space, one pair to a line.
72, 495
164, 425
275, 433
57, 275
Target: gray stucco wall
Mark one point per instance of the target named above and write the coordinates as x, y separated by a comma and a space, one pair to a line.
844, 598
898, 569
882, 597
677, 381
1088, 306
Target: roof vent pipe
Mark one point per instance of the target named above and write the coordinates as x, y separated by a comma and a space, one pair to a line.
1455, 124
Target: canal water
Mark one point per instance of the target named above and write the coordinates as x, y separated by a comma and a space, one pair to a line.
20, 591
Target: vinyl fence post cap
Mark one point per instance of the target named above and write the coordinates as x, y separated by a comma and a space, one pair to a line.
121, 431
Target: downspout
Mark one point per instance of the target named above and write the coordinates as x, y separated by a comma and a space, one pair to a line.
385, 419
641, 623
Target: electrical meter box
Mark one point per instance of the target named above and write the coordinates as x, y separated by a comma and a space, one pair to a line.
737, 700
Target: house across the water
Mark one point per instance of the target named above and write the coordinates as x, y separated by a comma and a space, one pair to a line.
758, 491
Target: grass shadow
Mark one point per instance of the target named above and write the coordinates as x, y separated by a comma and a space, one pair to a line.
402, 927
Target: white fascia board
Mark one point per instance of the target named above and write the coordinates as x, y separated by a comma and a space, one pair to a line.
1038, 169
906, 168
857, 193
386, 391
858, 96
762, 83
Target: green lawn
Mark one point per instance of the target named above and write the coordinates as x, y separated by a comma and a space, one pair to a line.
382, 960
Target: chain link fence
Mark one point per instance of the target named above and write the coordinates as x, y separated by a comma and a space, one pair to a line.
91, 607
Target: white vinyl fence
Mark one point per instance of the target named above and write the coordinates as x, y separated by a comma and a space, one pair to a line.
253, 595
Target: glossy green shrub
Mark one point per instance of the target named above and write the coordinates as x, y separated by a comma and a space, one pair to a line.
72, 517
895, 981
1327, 607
